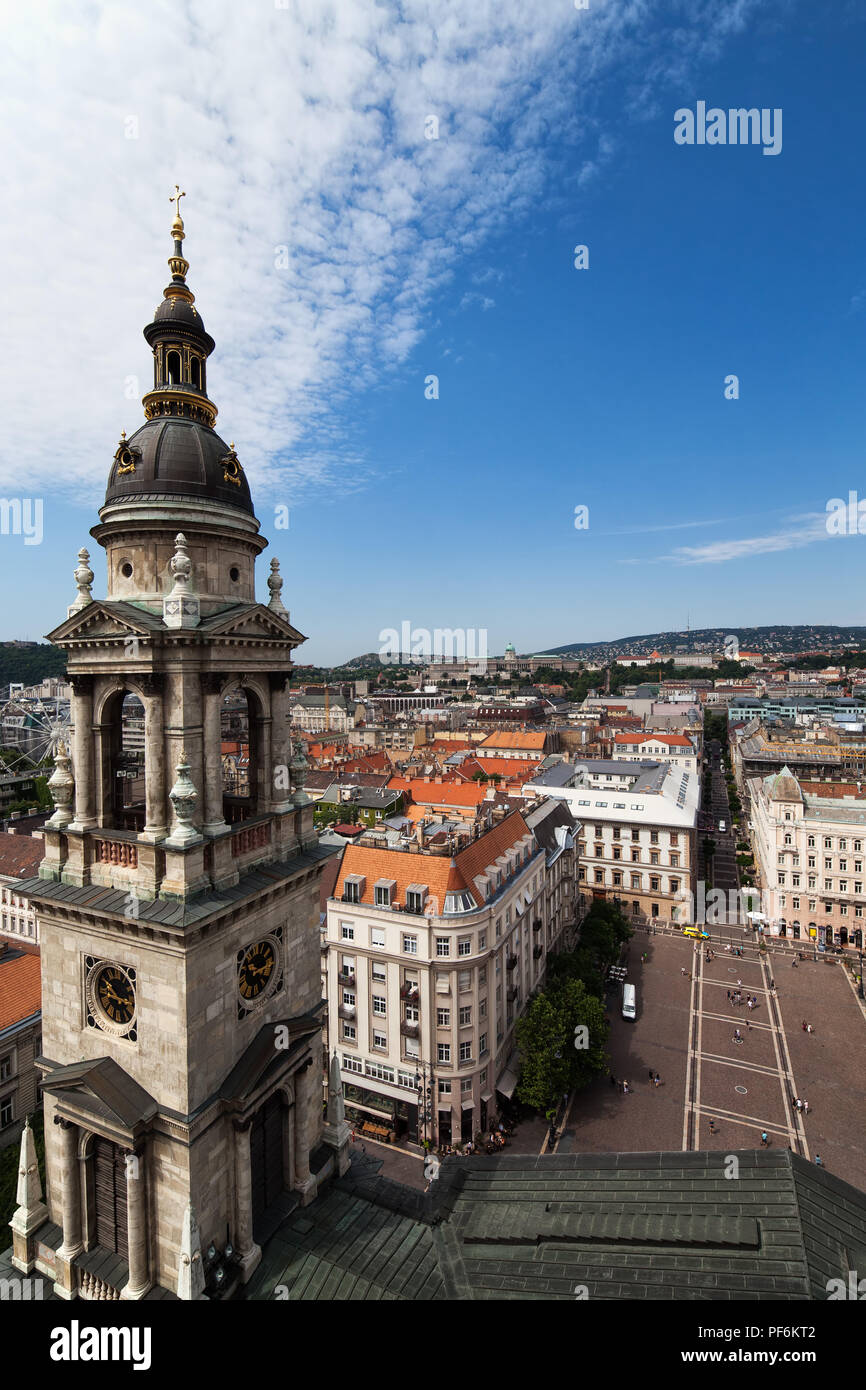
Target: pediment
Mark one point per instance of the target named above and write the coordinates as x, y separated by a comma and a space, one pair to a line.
101, 1092
100, 620
253, 621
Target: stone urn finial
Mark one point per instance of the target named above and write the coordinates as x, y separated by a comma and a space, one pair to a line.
61, 785
83, 576
299, 766
183, 797
275, 584
181, 608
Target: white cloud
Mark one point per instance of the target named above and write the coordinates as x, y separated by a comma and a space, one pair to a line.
300, 127
810, 529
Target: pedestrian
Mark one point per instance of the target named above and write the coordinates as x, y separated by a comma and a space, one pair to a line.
795, 1103
751, 1006
625, 1088
765, 1142
819, 1161
794, 963
658, 1080
805, 1025
754, 1001
651, 1074
805, 1107
772, 983
729, 996
748, 1025
713, 1129
682, 970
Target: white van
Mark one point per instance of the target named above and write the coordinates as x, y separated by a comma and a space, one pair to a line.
629, 1001
722, 826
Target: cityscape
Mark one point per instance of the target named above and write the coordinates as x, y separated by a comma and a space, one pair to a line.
376, 922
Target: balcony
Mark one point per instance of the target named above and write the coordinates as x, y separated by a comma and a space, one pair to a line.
349, 979
510, 962
410, 1030
537, 924
409, 993
346, 1011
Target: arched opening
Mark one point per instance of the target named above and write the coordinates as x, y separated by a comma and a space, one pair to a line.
241, 755
106, 1189
195, 373
173, 369
123, 762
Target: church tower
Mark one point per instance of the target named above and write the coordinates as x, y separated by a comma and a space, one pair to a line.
182, 1066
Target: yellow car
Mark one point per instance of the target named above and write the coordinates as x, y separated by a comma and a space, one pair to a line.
696, 932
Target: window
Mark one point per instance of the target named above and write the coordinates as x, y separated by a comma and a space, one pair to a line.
675, 885
654, 856
464, 946
383, 893
635, 856
466, 1086
443, 1052
377, 937
380, 1040
482, 941
674, 837
466, 1052
5, 1112
379, 1004
498, 928
410, 945
351, 892
347, 932
599, 876
482, 1008
379, 972
444, 1088
443, 946
6, 1067
635, 880
811, 842
415, 899
380, 1072
654, 910
617, 879
654, 883
465, 1015
675, 861
349, 998
482, 975
464, 980
483, 1049
443, 1018
351, 1063
654, 837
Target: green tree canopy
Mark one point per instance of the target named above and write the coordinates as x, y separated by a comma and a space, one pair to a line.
552, 1062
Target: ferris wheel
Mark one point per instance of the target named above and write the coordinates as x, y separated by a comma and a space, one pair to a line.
31, 732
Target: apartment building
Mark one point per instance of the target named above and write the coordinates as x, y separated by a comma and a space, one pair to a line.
20, 1036
20, 857
638, 837
433, 952
308, 712
809, 841
677, 749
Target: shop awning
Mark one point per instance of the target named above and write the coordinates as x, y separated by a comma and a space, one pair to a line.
486, 1096
467, 1105
508, 1078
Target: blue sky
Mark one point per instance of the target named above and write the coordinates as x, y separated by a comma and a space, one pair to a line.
410, 257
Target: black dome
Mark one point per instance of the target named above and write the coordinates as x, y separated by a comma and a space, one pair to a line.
178, 311
179, 458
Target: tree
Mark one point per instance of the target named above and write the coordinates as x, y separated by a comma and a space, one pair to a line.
553, 1062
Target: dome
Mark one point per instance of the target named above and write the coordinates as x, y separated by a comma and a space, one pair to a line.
179, 311
177, 457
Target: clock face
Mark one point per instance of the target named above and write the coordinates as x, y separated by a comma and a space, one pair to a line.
256, 967
111, 1003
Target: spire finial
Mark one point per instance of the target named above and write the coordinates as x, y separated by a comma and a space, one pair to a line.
177, 224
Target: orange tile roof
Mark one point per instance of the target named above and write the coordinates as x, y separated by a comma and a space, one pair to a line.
439, 872
437, 793
20, 986
503, 738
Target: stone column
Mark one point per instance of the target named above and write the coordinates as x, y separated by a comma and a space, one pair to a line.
305, 1183
70, 1203
214, 819
136, 1227
82, 751
248, 1252
156, 826
281, 744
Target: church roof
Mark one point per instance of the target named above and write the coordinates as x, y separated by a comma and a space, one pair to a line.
654, 1226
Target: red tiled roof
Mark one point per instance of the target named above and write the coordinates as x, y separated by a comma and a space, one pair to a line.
20, 985
20, 855
504, 738
439, 872
675, 740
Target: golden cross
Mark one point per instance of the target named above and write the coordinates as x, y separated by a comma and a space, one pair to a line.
176, 198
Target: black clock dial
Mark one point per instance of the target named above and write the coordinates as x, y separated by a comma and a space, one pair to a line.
115, 994
257, 965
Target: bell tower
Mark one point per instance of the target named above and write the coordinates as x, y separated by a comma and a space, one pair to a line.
182, 1067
